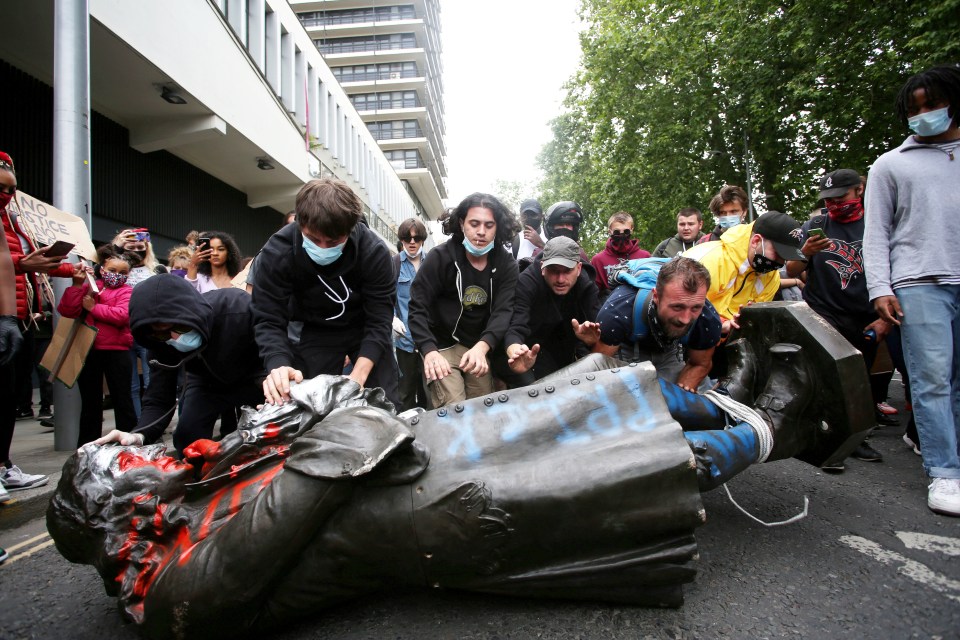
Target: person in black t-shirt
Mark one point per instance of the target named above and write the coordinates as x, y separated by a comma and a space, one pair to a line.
462, 299
836, 284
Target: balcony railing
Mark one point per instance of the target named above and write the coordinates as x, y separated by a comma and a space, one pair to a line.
379, 105
330, 20
397, 134
411, 163
363, 47
369, 76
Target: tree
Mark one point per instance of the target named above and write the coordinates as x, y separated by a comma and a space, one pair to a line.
656, 117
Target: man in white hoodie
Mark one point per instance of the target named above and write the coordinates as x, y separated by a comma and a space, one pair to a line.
913, 266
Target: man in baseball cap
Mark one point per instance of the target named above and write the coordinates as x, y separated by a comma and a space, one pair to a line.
837, 281
744, 263
555, 311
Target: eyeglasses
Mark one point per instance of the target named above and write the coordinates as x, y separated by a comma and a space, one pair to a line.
413, 239
623, 233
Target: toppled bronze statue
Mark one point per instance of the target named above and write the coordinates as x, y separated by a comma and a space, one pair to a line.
585, 485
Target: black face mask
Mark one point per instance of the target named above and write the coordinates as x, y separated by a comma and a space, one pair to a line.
761, 263
568, 233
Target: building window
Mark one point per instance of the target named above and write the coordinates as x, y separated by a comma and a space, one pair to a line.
357, 16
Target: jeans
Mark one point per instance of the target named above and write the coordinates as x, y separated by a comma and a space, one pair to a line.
136, 351
931, 347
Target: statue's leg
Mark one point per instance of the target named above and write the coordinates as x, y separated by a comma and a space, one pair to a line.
740, 379
691, 410
722, 454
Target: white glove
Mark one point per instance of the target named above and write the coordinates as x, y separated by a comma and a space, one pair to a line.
398, 327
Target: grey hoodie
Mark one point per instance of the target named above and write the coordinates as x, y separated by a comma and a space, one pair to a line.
912, 217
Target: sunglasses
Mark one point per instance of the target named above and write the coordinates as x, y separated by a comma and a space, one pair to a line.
413, 239
623, 233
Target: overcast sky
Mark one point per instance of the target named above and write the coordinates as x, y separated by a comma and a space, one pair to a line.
505, 62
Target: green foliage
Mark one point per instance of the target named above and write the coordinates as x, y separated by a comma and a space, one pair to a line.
656, 117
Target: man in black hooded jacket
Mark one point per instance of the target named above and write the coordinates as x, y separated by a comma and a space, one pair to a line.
209, 336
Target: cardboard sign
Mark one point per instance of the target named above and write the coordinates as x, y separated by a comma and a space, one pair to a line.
67, 353
48, 224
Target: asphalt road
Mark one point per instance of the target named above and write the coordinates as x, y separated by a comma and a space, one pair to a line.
870, 559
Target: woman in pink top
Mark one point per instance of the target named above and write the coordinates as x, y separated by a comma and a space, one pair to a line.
108, 312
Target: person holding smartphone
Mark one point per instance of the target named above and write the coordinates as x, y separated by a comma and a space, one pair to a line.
836, 283
215, 262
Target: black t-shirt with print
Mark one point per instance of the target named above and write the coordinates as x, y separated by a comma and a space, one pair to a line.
476, 304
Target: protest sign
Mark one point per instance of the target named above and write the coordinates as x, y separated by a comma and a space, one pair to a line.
47, 224
67, 353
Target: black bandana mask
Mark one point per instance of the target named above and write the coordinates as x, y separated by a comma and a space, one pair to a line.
568, 233
761, 263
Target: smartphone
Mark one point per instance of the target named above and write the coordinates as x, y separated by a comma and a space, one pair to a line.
59, 249
203, 243
141, 235
820, 233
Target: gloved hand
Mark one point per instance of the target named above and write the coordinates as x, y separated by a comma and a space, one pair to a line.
398, 327
10, 338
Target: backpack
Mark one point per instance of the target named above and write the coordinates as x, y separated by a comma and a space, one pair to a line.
641, 274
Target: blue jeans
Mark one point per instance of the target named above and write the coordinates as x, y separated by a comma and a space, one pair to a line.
136, 351
931, 348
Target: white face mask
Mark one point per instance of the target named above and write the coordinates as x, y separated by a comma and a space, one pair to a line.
415, 254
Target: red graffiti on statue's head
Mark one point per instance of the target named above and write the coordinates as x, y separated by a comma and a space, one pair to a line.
127, 460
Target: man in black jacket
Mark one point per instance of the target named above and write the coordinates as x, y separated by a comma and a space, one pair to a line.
555, 311
335, 276
209, 336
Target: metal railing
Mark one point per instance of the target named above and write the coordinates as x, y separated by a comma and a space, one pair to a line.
397, 134
369, 16
368, 76
363, 47
370, 105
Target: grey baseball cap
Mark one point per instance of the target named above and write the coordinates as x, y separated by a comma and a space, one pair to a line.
561, 250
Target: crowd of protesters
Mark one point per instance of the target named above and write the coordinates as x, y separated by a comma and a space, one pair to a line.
507, 300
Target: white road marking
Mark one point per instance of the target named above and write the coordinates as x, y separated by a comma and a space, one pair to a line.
916, 571
931, 543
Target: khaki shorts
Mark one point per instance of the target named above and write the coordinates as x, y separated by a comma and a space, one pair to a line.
458, 386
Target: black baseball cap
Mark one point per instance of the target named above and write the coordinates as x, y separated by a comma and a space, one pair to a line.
783, 231
531, 205
836, 183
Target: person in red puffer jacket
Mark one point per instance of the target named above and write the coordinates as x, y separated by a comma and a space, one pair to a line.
28, 261
109, 312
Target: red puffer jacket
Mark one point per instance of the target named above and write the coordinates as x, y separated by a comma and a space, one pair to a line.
20, 245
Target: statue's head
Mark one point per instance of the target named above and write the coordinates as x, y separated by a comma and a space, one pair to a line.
101, 490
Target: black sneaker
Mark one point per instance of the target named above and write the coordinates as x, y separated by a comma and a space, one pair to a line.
834, 467
25, 414
45, 413
884, 420
47, 422
865, 452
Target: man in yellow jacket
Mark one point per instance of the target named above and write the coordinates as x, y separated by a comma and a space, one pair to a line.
743, 264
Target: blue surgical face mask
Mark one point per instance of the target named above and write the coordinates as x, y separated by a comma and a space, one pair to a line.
931, 123
726, 222
474, 251
320, 255
188, 341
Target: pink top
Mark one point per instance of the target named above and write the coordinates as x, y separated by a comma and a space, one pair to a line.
202, 283
111, 314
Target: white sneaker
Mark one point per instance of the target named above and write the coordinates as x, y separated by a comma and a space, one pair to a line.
944, 496
13, 479
4, 494
910, 443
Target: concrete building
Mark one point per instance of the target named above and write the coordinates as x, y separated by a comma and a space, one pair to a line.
205, 114
386, 56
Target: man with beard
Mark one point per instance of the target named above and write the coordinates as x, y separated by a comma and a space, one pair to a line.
620, 248
555, 311
662, 309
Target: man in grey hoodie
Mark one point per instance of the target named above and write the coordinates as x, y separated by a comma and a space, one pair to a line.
913, 266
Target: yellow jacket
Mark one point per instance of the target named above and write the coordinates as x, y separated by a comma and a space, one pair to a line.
733, 282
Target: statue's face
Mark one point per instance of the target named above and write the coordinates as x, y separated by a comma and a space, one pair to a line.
146, 469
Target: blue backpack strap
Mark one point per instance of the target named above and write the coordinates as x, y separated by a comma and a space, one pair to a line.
641, 274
